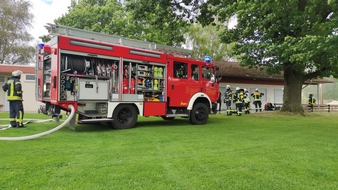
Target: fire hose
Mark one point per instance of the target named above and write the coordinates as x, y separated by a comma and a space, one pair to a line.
4, 127
72, 114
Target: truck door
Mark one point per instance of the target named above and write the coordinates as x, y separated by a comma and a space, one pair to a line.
194, 79
178, 84
210, 85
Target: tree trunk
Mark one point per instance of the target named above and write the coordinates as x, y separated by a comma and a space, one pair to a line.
293, 82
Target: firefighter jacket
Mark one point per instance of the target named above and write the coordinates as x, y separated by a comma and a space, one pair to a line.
227, 95
239, 96
13, 89
233, 96
312, 100
247, 97
257, 96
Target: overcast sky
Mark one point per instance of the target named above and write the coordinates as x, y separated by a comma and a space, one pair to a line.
46, 11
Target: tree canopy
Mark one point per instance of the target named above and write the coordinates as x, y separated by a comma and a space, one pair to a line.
149, 20
160, 21
296, 37
15, 19
206, 41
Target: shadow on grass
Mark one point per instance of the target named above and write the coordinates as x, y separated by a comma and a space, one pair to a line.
142, 123
98, 127
163, 123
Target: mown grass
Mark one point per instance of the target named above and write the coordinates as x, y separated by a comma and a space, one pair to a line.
256, 151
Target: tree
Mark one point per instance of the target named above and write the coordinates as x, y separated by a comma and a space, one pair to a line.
159, 22
15, 19
137, 19
295, 37
99, 16
206, 41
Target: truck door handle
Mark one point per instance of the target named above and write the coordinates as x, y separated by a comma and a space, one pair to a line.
54, 82
172, 87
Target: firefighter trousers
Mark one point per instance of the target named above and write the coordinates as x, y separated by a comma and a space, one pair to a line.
258, 105
228, 107
16, 113
239, 106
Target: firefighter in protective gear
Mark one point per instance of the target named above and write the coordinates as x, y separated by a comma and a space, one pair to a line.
246, 102
257, 99
13, 89
227, 99
239, 100
312, 101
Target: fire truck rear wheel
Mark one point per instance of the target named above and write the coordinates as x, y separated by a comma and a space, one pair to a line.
199, 114
124, 117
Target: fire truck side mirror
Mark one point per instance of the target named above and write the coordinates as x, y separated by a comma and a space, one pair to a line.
212, 78
219, 78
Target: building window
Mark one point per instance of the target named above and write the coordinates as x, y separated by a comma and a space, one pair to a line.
2, 78
29, 77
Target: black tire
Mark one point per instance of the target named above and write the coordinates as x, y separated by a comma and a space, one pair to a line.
168, 118
199, 114
124, 117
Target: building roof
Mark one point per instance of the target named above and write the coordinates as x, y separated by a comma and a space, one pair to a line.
8, 69
235, 70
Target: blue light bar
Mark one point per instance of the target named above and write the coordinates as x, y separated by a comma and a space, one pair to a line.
207, 59
41, 45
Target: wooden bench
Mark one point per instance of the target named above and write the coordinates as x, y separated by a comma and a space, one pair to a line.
278, 106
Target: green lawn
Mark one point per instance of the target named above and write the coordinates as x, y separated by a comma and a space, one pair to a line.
256, 151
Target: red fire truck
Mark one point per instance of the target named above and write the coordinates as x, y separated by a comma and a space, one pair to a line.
113, 80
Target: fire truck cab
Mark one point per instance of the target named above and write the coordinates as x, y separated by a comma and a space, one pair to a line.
114, 80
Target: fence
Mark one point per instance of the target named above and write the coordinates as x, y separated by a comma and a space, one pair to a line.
316, 107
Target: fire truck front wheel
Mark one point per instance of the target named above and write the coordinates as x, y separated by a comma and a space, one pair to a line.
124, 117
199, 114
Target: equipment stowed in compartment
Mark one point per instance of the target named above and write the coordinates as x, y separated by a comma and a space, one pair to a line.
75, 66
90, 66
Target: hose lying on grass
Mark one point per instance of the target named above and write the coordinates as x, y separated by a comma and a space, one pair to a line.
72, 113
4, 127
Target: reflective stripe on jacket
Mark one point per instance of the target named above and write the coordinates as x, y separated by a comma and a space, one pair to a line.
13, 89
312, 100
239, 97
257, 96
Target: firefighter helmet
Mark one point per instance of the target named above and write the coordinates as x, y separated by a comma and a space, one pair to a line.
16, 73
228, 86
237, 88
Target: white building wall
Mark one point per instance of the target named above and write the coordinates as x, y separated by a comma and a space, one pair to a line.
29, 103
